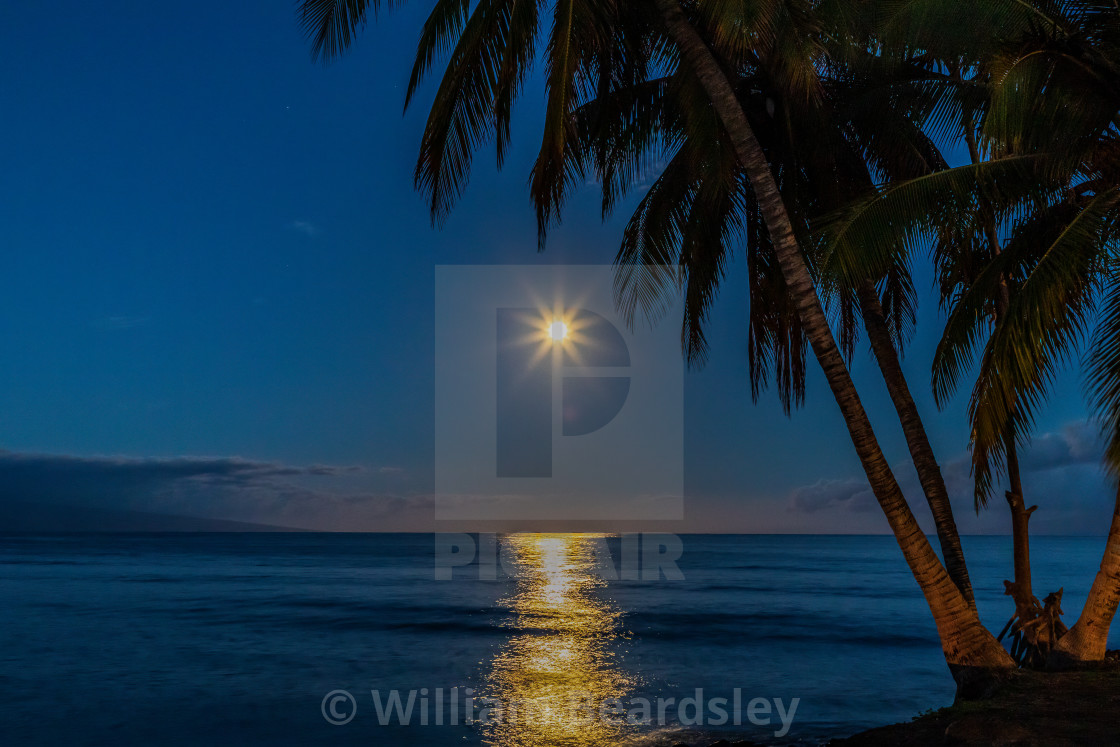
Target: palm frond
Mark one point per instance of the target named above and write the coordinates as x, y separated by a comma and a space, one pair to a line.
441, 28
1103, 364
556, 168
1045, 321
866, 238
331, 25
462, 116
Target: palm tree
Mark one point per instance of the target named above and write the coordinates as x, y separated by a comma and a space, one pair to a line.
962, 250
965, 244
594, 47
1087, 640
1034, 229
701, 209
1061, 78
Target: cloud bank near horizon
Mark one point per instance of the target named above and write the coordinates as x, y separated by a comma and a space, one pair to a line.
220, 488
1061, 470
1062, 475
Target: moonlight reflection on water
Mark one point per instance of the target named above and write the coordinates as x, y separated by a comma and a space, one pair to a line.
564, 651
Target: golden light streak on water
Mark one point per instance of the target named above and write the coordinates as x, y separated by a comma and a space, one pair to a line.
563, 652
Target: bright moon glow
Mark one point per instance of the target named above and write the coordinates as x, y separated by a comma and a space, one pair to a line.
558, 330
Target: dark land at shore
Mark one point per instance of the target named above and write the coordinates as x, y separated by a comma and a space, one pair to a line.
1030, 709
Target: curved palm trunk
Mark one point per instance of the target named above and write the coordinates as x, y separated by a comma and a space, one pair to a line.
917, 440
968, 647
1087, 639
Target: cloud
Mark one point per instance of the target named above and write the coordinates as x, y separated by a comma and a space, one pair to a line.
228, 488
1074, 444
1061, 474
330, 469
307, 229
844, 494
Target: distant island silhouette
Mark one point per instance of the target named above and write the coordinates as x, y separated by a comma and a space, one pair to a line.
27, 517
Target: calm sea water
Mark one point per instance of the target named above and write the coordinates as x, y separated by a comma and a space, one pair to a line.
236, 638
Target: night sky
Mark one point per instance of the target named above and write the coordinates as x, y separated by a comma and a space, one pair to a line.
217, 295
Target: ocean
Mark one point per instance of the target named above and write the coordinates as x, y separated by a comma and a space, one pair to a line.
283, 639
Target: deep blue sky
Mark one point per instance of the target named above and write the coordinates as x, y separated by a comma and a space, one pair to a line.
213, 254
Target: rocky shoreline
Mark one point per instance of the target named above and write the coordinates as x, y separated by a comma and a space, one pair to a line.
1030, 709
1047, 709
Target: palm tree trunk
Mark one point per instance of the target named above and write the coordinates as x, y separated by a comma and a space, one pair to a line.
921, 452
1088, 638
1022, 589
968, 647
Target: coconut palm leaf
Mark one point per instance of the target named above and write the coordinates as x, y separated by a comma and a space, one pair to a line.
866, 237
1046, 319
332, 24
